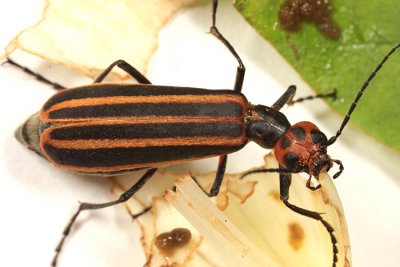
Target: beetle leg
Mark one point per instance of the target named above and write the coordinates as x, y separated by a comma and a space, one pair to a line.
240, 71
285, 98
122, 64
91, 206
280, 170
38, 76
219, 177
332, 95
144, 211
285, 179
309, 186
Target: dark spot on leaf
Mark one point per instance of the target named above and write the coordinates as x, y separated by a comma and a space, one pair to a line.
293, 13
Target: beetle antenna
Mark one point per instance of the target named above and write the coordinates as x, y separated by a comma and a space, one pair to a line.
360, 93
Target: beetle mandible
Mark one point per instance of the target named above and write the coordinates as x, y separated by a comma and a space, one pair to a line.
110, 128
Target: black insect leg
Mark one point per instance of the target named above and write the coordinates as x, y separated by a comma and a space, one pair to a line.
144, 211
287, 97
219, 177
241, 68
119, 63
122, 64
332, 95
237, 87
285, 179
34, 74
91, 206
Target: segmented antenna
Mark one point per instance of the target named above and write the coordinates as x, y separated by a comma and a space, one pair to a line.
360, 93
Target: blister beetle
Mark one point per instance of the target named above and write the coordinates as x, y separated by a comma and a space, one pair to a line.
109, 128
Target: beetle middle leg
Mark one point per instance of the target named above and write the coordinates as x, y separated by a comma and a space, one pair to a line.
125, 66
240, 72
92, 206
219, 177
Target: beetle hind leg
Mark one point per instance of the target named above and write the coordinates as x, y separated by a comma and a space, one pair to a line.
144, 211
38, 76
91, 206
241, 68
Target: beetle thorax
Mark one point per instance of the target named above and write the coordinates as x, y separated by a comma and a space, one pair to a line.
266, 126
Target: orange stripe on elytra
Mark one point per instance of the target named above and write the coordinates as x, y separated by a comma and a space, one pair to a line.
143, 119
143, 142
114, 100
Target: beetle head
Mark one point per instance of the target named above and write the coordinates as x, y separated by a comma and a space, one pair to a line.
303, 148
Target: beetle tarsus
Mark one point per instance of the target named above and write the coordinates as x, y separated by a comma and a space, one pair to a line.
285, 180
38, 76
144, 211
125, 66
309, 186
240, 72
91, 206
332, 95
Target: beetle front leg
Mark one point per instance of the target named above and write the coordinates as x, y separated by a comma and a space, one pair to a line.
91, 206
285, 179
125, 66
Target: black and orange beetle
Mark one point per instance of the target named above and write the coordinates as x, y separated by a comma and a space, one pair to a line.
109, 128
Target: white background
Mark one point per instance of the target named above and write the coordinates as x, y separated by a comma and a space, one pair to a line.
36, 199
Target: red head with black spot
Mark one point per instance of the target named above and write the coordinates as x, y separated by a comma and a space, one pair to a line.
303, 149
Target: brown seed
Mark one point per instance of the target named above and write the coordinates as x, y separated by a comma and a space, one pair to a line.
168, 242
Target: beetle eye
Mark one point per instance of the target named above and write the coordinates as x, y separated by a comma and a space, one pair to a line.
291, 161
318, 137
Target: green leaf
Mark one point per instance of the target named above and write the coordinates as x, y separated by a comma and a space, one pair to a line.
369, 29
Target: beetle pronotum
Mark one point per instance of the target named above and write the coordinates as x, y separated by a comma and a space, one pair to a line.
109, 128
